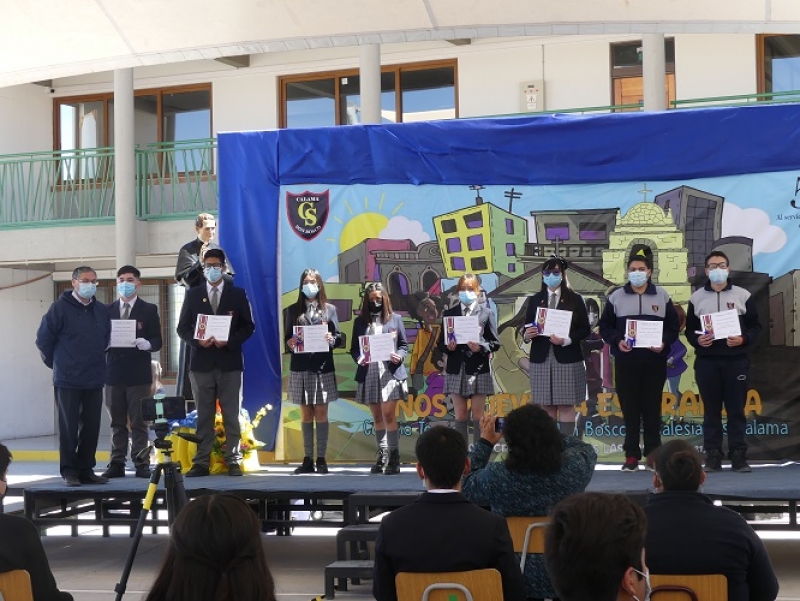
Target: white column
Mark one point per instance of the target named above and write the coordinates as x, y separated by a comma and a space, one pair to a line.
370, 76
654, 69
124, 168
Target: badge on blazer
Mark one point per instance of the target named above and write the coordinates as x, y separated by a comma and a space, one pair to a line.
654, 308
308, 212
731, 305
139, 325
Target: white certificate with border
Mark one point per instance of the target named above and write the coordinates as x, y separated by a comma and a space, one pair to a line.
641, 333
311, 339
556, 321
123, 333
722, 324
463, 329
377, 347
216, 326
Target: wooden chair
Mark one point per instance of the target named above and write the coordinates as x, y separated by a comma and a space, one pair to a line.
440, 586
16, 586
527, 535
696, 587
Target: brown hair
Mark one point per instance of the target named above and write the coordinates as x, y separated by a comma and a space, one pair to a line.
364, 313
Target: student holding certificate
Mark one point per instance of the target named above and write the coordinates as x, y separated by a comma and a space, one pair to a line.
381, 383
641, 367
467, 371
312, 379
557, 370
721, 366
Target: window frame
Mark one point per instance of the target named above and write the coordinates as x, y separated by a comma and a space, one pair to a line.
635, 71
336, 75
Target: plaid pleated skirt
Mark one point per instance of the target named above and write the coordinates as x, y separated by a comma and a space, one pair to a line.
311, 388
554, 383
466, 385
380, 386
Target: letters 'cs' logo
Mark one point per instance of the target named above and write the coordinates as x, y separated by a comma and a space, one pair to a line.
308, 212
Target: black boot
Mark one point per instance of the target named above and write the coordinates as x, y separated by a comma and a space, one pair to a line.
393, 465
379, 462
307, 467
322, 465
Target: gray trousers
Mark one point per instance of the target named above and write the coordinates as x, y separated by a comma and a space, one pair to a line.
208, 386
124, 403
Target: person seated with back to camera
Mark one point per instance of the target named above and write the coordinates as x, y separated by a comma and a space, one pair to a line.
216, 554
542, 467
688, 534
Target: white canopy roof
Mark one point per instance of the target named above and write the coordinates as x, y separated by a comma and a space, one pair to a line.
46, 39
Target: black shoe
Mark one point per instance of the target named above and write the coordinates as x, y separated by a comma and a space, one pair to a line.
115, 470
72, 481
234, 469
307, 467
739, 461
393, 465
197, 471
322, 465
379, 462
143, 471
92, 478
713, 461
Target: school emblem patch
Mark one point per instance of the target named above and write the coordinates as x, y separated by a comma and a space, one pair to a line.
731, 305
308, 212
654, 308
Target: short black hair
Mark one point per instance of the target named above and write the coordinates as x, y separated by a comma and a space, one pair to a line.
717, 253
5, 459
129, 269
591, 541
678, 466
442, 453
215, 252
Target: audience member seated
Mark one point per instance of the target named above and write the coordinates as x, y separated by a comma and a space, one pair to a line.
216, 554
442, 531
594, 549
21, 548
541, 468
688, 534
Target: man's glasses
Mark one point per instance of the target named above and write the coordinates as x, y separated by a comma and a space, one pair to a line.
722, 265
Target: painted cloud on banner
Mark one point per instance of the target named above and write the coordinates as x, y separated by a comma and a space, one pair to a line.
402, 228
755, 224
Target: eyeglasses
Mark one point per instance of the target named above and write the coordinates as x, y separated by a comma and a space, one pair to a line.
87, 281
722, 265
553, 272
207, 265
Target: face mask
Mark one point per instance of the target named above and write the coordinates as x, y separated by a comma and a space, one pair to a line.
647, 588
552, 280
310, 290
87, 290
126, 289
467, 297
718, 276
213, 274
637, 278
376, 306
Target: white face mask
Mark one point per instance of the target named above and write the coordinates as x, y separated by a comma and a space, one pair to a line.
647, 588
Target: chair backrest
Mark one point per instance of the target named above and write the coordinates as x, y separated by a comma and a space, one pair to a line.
527, 535
694, 587
16, 586
441, 586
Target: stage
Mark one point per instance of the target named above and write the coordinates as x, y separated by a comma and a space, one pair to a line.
350, 494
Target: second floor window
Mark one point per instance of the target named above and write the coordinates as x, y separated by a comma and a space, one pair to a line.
627, 82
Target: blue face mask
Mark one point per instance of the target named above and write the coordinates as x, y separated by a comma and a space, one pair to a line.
637, 278
213, 274
310, 290
126, 289
87, 290
718, 276
467, 296
552, 280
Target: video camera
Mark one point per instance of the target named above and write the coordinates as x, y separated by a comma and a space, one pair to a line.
159, 409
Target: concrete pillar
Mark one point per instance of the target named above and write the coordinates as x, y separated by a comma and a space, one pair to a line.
370, 77
654, 68
124, 168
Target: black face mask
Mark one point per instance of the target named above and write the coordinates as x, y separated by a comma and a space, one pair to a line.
375, 306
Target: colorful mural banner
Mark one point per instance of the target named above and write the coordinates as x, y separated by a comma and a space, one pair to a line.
420, 230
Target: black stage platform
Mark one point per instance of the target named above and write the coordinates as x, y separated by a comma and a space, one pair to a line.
356, 495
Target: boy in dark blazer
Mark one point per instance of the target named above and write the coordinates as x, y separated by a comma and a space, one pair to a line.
216, 366
129, 376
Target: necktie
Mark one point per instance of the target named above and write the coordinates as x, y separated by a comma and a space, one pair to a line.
214, 299
126, 313
553, 301
467, 311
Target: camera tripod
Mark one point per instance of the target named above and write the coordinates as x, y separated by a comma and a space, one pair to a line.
175, 494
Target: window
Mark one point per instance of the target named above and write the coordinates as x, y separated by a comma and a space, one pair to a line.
778, 63
457, 263
557, 231
626, 74
449, 226
475, 242
509, 226
510, 249
478, 264
473, 220
413, 92
454, 245
592, 231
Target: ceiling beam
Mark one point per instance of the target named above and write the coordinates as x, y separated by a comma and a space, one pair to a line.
237, 62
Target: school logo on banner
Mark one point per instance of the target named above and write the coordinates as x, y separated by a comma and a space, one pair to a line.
308, 212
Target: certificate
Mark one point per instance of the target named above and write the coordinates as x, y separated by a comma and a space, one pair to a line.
123, 333
216, 326
553, 321
311, 339
463, 329
378, 347
644, 334
722, 324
